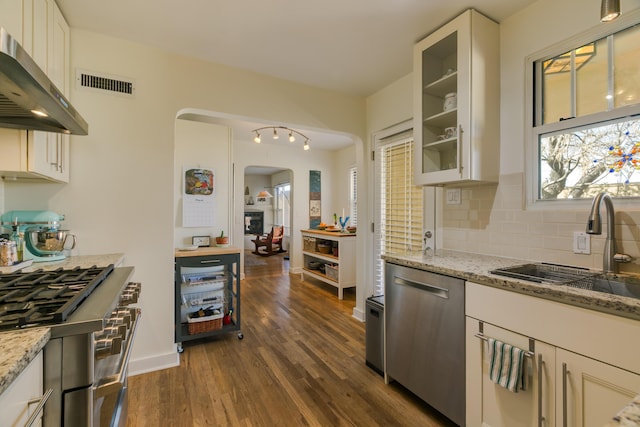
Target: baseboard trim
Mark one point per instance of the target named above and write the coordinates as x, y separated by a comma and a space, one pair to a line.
154, 363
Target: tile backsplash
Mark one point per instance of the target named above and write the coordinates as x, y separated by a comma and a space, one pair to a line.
492, 219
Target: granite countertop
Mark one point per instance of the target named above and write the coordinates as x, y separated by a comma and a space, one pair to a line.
476, 267
19, 347
17, 350
82, 261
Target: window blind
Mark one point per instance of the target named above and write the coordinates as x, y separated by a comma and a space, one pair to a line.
399, 203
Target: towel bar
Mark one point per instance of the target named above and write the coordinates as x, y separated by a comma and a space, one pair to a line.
529, 354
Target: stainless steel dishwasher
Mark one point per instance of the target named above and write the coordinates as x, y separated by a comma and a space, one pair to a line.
424, 315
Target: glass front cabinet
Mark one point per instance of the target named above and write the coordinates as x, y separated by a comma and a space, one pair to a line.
457, 102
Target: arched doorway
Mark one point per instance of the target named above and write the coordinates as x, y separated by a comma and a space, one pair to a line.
274, 209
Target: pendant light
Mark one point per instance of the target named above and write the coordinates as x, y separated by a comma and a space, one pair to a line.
257, 138
609, 10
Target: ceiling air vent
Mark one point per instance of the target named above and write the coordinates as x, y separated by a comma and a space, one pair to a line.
101, 82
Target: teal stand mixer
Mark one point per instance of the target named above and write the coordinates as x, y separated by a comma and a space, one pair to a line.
43, 238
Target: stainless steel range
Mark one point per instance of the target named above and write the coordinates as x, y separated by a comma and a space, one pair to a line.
92, 331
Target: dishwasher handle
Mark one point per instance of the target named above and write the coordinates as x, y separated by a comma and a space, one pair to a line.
434, 290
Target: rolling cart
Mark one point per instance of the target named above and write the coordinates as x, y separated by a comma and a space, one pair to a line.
207, 293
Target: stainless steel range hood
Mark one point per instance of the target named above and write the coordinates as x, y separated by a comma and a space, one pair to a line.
25, 88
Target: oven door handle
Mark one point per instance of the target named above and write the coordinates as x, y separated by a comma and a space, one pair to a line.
41, 401
114, 383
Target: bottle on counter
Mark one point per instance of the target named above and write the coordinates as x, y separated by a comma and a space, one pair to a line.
18, 238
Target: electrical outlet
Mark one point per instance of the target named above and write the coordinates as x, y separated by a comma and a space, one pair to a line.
454, 196
581, 243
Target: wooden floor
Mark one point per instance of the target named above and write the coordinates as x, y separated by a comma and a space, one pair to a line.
301, 363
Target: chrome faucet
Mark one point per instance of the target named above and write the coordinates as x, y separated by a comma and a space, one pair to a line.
610, 256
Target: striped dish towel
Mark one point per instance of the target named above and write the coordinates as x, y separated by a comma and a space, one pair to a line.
506, 365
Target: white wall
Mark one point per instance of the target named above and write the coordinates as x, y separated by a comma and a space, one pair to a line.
121, 194
385, 108
344, 160
202, 145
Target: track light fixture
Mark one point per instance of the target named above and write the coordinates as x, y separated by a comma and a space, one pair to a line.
257, 138
609, 10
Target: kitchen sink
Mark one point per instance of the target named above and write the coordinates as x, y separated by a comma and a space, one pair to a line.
622, 286
575, 277
545, 273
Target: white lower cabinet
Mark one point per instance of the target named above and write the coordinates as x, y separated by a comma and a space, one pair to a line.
489, 404
593, 391
21, 399
581, 372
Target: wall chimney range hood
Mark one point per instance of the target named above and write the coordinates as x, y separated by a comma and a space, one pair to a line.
28, 98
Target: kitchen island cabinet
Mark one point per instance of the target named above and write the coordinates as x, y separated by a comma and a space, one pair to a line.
338, 260
581, 371
207, 293
456, 102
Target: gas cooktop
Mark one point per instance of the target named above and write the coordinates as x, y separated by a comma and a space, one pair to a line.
46, 297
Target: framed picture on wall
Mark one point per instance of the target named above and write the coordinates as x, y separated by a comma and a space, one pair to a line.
314, 208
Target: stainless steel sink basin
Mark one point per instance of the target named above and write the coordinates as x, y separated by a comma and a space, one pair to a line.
575, 277
545, 273
622, 286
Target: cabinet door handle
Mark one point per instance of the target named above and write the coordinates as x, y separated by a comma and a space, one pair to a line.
565, 373
460, 149
540, 416
60, 152
53, 158
41, 401
210, 261
57, 153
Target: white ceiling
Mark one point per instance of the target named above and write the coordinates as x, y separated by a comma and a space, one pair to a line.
350, 46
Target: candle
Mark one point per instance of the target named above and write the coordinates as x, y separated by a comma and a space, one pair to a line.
343, 213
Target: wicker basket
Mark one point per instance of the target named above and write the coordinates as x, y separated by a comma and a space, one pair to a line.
332, 271
308, 244
324, 248
200, 325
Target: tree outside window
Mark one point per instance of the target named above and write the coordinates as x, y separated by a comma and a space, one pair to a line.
586, 118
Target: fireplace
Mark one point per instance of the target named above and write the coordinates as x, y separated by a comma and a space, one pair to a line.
254, 222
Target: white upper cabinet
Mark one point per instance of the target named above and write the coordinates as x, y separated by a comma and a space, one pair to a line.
42, 31
456, 102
